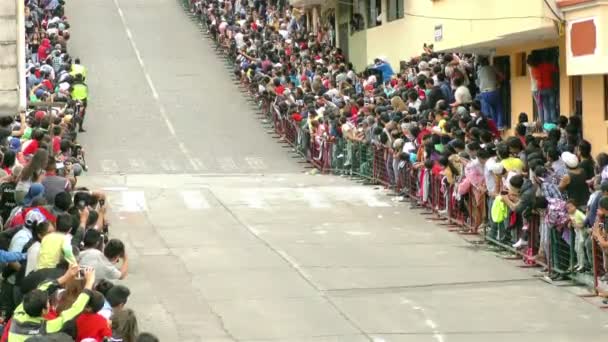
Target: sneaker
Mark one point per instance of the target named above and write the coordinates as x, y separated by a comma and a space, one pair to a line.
520, 244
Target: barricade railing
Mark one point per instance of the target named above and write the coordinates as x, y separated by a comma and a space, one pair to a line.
439, 198
599, 266
382, 159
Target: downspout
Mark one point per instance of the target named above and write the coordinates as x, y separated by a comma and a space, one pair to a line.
21, 54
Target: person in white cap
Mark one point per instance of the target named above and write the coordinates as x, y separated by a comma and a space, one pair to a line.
574, 183
424, 68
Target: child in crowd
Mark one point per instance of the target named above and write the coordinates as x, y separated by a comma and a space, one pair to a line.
577, 219
90, 324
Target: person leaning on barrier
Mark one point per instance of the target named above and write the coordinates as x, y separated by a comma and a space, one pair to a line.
520, 198
28, 318
600, 235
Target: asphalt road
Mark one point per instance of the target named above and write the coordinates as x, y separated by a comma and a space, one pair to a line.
230, 241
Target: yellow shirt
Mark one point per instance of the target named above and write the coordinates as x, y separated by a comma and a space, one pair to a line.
80, 92
53, 247
78, 69
513, 164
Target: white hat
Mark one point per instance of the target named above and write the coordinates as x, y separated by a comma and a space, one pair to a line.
434, 61
570, 159
423, 65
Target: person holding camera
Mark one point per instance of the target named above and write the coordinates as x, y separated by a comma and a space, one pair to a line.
104, 258
28, 319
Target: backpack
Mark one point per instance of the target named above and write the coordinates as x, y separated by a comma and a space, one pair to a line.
556, 214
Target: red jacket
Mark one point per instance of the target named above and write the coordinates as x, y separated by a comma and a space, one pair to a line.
92, 325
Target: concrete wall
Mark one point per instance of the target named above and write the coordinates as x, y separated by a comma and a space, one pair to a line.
9, 79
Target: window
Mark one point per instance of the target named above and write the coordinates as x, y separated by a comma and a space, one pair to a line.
522, 67
374, 13
395, 10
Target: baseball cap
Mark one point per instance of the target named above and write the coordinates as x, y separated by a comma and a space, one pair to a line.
39, 115
34, 217
14, 144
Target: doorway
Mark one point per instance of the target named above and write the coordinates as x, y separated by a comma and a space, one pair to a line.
502, 64
576, 83
551, 55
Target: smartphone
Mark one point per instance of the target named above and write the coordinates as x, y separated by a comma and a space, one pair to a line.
80, 273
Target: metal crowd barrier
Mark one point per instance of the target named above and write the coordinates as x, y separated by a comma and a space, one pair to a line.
431, 193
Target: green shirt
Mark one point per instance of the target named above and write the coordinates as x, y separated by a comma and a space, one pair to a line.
24, 326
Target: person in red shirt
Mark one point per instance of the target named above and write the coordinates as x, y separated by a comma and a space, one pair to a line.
56, 140
44, 49
278, 87
33, 145
90, 324
542, 72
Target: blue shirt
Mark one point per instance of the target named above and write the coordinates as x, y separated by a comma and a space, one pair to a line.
387, 71
11, 256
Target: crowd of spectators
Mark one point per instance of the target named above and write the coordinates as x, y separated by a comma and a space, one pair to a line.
59, 263
440, 117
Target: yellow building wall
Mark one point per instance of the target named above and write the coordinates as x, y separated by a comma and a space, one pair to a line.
403, 38
595, 128
357, 50
519, 16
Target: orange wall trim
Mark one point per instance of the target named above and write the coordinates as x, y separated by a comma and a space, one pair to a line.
566, 3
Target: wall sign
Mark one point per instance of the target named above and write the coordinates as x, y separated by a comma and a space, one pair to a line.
438, 33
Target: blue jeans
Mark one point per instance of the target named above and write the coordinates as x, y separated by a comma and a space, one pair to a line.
539, 105
491, 105
547, 99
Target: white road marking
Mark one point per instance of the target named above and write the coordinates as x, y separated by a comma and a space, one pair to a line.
256, 163
227, 164
437, 335
253, 199
358, 233
169, 165
133, 202
108, 165
373, 202
161, 108
137, 164
315, 198
197, 164
351, 194
194, 200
